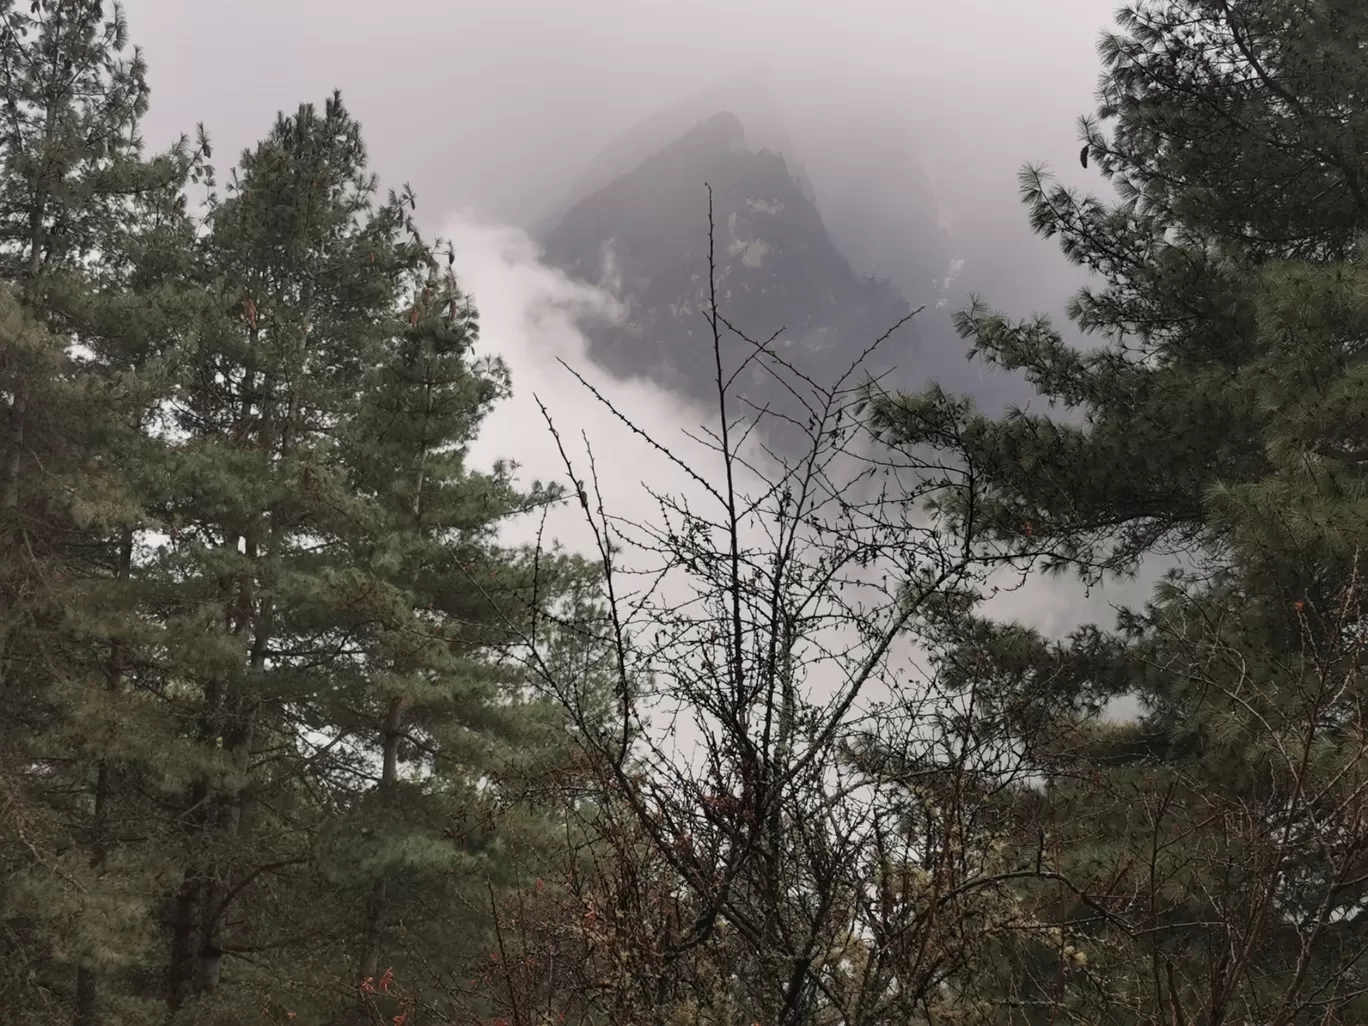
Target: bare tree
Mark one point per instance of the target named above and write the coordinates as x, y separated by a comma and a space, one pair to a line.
754, 859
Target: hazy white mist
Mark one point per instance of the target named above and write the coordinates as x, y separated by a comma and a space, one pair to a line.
528, 315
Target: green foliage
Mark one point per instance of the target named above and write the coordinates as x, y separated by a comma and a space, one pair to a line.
91, 231
258, 629
1205, 855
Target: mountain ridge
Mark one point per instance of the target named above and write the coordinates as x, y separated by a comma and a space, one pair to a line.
643, 237
749, 95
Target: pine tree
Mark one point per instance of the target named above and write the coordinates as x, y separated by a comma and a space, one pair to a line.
92, 237
334, 604
1200, 864
454, 729
252, 613
1222, 161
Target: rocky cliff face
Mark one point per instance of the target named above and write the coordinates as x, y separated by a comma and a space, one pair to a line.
644, 236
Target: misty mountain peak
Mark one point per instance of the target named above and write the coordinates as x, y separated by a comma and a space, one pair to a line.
644, 237
722, 131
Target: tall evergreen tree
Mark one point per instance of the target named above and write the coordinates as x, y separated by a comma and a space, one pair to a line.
335, 612
454, 730
93, 234
256, 616
1205, 857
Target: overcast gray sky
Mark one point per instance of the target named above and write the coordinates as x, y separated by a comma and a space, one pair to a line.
483, 102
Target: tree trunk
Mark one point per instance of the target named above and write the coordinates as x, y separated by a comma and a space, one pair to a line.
391, 732
87, 989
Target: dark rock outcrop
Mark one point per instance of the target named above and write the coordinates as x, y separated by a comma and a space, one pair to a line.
644, 237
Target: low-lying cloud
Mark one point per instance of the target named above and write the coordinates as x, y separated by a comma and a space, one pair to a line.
531, 316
